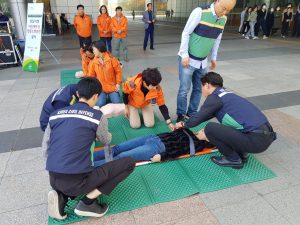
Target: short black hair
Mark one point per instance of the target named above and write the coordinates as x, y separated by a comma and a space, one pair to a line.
87, 48
80, 6
100, 45
87, 87
151, 76
149, 4
212, 78
119, 8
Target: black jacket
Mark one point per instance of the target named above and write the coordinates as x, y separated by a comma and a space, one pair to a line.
177, 144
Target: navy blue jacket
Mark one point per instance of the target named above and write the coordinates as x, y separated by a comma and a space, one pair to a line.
231, 110
58, 99
73, 132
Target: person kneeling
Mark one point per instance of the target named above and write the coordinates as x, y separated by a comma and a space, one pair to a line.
107, 69
157, 148
87, 56
244, 128
139, 91
68, 140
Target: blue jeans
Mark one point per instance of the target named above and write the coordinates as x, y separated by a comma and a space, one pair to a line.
107, 41
188, 76
142, 148
149, 32
114, 98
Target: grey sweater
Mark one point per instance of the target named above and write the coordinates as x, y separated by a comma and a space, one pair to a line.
253, 16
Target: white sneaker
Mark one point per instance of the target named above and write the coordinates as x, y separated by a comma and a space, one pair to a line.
265, 37
56, 205
255, 38
247, 37
243, 35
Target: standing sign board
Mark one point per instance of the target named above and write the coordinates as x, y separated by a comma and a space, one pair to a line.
33, 36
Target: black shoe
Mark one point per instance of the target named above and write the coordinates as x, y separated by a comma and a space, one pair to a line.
223, 161
93, 210
56, 205
244, 156
144, 49
151, 48
180, 118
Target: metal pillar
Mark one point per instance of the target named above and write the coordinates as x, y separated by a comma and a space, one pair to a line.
18, 10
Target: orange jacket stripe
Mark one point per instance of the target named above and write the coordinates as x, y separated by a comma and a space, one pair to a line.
109, 73
83, 25
136, 97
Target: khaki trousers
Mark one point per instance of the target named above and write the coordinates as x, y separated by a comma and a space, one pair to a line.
148, 116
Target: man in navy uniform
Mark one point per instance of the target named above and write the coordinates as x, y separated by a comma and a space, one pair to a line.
68, 140
243, 128
60, 98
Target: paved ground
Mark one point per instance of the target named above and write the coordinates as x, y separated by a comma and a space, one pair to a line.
265, 71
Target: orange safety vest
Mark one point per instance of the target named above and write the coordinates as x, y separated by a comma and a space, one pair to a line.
119, 25
83, 25
103, 24
109, 73
136, 97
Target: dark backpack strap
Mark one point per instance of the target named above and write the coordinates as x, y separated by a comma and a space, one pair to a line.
192, 144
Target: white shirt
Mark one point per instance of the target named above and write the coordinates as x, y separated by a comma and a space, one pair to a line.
189, 28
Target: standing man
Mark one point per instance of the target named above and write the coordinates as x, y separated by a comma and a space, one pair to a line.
149, 20
119, 24
201, 36
83, 25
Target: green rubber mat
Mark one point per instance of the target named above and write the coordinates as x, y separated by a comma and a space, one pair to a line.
163, 182
68, 77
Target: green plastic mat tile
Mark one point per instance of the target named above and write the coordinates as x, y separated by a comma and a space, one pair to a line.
163, 182
68, 77
121, 199
130, 133
115, 127
206, 175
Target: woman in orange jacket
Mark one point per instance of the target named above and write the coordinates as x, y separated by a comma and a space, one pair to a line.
104, 28
107, 70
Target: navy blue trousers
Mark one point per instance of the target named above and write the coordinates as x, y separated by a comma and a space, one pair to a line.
149, 32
